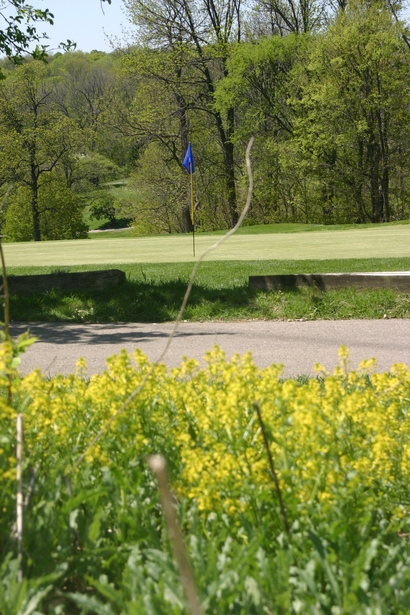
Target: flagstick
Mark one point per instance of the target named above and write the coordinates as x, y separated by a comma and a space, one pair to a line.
192, 209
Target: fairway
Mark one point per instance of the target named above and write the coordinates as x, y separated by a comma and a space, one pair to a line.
372, 242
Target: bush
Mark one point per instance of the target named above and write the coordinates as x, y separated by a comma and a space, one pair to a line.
103, 206
93, 170
95, 539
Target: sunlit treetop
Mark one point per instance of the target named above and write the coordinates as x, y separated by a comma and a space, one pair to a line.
19, 30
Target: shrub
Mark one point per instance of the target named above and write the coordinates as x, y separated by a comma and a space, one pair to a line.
340, 444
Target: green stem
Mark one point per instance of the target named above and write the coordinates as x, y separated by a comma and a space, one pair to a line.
272, 469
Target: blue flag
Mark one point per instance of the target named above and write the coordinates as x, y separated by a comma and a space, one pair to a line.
189, 159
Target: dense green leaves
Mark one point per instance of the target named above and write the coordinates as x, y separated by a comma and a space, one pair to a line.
95, 539
19, 31
330, 112
34, 135
353, 116
59, 209
324, 89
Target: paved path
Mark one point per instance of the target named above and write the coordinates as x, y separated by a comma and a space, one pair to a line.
298, 345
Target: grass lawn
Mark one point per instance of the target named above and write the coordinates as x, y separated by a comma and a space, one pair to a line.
158, 270
153, 293
374, 242
295, 227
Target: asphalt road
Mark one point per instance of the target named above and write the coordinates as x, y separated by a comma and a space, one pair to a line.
298, 345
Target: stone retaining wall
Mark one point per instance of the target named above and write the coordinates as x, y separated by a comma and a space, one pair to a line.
65, 282
329, 281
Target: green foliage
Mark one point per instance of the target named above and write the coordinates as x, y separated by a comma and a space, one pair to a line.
59, 208
352, 120
20, 32
94, 537
154, 292
93, 170
18, 223
181, 61
103, 206
329, 112
161, 194
324, 93
35, 136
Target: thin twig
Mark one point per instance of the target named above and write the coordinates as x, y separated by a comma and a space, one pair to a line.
157, 464
31, 486
6, 303
215, 246
26, 499
272, 469
19, 506
402, 534
6, 319
50, 364
68, 486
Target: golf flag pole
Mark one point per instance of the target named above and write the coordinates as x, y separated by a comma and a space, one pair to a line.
190, 167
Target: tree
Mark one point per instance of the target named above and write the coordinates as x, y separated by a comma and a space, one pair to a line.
152, 108
84, 83
193, 38
282, 17
354, 114
34, 135
103, 206
261, 85
19, 31
60, 212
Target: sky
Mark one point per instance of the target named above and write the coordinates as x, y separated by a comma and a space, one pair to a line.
84, 22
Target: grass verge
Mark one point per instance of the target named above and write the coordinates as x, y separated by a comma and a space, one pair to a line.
154, 292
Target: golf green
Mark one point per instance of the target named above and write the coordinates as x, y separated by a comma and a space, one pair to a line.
372, 242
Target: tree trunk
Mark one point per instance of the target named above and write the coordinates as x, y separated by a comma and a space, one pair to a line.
34, 199
373, 152
382, 125
186, 216
385, 194
230, 170
35, 212
358, 186
225, 137
230, 183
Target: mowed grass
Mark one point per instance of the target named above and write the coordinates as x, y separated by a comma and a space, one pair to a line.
295, 227
153, 292
158, 269
392, 241
266, 229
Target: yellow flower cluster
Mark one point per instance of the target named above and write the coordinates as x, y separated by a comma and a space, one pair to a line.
334, 434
